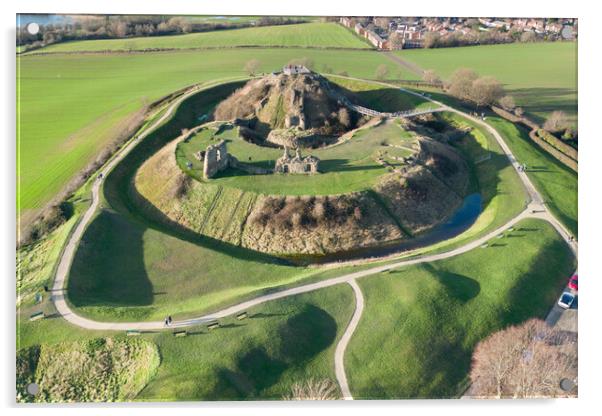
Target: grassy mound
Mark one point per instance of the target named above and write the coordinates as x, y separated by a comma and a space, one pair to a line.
277, 102
97, 370
421, 323
423, 182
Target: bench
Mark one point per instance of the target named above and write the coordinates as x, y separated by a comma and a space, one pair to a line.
132, 332
36, 316
182, 333
213, 325
242, 315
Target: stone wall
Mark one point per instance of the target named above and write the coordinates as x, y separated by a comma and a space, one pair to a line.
296, 164
216, 159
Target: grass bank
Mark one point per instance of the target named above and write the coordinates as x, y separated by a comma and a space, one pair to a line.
421, 323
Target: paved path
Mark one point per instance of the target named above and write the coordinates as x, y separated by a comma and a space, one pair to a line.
59, 287
535, 209
339, 354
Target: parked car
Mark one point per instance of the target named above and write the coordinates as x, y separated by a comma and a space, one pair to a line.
573, 282
566, 300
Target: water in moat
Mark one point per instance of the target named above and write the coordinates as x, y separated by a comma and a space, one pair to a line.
459, 222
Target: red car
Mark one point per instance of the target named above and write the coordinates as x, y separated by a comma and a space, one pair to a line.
573, 282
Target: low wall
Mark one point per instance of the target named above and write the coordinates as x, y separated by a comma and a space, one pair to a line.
562, 152
557, 154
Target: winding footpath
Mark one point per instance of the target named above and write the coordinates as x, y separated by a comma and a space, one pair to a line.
535, 209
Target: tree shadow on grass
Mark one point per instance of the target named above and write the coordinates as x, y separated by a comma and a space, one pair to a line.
300, 338
536, 291
108, 267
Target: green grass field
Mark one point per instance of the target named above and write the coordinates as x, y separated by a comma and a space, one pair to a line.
308, 35
380, 96
420, 324
135, 266
557, 183
541, 76
71, 106
282, 342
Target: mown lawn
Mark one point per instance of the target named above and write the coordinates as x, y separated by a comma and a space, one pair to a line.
314, 35
421, 323
280, 343
556, 183
70, 106
541, 76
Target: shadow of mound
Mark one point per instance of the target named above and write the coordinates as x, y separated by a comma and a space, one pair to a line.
108, 268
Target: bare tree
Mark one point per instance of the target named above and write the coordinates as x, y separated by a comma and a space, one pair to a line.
528, 360
507, 103
486, 91
396, 40
431, 76
461, 83
528, 37
313, 389
252, 66
431, 40
556, 122
382, 71
344, 117
382, 22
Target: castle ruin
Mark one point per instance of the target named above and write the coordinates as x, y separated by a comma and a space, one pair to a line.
216, 159
296, 164
295, 69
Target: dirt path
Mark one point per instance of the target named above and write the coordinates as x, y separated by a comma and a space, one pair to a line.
408, 65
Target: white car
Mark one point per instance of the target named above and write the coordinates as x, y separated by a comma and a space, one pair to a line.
566, 300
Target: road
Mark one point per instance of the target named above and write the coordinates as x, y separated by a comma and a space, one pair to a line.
535, 209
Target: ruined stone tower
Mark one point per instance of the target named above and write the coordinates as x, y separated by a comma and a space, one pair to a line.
216, 159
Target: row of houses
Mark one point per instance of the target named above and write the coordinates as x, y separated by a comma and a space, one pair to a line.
372, 36
409, 32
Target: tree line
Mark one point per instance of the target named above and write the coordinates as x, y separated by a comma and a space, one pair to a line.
117, 27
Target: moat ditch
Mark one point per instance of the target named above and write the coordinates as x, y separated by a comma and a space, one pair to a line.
459, 222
